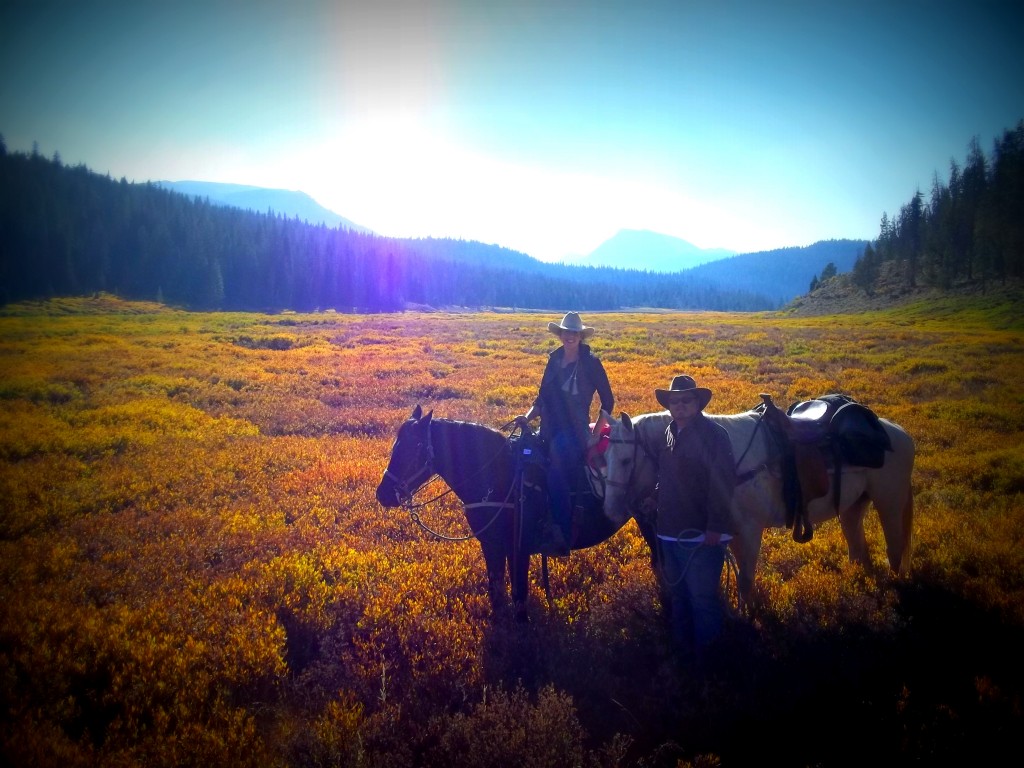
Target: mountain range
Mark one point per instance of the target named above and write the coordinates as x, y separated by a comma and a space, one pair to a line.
68, 230
781, 274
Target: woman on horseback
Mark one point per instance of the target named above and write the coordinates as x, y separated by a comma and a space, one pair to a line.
572, 376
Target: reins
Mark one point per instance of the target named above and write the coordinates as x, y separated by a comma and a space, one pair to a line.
428, 468
499, 505
750, 474
731, 568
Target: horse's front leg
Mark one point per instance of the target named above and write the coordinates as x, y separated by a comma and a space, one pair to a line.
746, 548
494, 559
519, 567
645, 522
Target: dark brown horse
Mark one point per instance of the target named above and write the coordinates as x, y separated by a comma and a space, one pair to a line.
500, 482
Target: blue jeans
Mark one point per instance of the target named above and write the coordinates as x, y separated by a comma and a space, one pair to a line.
692, 576
565, 458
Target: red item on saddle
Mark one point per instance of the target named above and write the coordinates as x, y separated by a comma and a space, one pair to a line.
600, 446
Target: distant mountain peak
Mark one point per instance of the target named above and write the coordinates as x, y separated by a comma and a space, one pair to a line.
649, 251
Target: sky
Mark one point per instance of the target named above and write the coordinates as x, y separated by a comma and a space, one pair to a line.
541, 126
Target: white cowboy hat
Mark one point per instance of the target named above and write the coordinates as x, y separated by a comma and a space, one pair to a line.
571, 322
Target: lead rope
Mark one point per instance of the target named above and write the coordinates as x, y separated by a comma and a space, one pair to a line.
732, 580
731, 570
750, 444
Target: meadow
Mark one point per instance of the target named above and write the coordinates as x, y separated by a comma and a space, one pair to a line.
194, 570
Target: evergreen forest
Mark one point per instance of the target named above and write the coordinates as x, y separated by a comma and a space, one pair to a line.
67, 231
971, 230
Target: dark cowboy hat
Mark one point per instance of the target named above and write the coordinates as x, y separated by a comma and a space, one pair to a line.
684, 384
571, 322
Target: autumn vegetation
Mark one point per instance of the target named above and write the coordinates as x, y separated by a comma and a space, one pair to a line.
194, 570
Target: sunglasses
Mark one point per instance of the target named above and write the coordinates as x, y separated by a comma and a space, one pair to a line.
681, 400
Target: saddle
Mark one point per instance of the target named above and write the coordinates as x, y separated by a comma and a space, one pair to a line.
531, 452
823, 434
838, 422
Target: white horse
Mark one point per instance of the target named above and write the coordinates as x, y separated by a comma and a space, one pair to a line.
758, 501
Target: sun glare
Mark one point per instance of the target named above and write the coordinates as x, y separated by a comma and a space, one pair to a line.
399, 177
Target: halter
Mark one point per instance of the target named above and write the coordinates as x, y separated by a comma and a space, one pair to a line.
595, 478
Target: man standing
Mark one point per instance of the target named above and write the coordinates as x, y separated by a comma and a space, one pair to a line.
696, 478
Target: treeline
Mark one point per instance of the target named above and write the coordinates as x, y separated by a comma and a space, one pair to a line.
70, 231
971, 229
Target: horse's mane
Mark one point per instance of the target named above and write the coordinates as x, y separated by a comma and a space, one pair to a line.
478, 431
460, 423
649, 425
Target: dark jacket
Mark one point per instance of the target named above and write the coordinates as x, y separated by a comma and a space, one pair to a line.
696, 477
565, 408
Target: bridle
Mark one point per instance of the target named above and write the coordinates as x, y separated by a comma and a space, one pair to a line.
406, 490
638, 445
407, 487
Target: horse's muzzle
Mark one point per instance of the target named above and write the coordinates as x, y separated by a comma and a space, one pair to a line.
388, 495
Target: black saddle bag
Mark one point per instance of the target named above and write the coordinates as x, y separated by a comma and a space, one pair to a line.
862, 440
852, 433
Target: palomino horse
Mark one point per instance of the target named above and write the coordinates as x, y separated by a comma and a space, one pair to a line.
758, 501
500, 488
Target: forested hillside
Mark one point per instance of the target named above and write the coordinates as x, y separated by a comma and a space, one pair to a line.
970, 230
287, 202
784, 272
70, 231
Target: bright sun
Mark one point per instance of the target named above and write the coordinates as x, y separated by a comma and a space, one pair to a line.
400, 179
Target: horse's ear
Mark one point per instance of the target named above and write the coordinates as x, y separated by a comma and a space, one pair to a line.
430, 413
416, 412
626, 421
603, 420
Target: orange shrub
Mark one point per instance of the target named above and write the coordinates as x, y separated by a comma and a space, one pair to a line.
194, 568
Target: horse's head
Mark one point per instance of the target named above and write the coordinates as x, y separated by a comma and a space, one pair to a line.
630, 469
412, 461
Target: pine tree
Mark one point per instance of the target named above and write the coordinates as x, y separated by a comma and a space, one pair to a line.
866, 270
